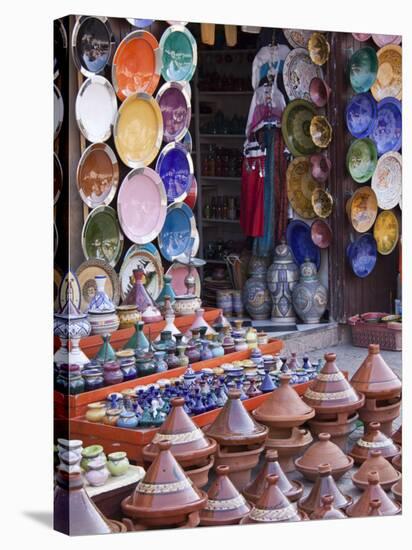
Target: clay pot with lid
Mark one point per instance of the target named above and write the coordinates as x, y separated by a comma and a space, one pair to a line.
382, 389
273, 506
292, 489
397, 462
225, 505
373, 492
165, 497
322, 452
373, 439
376, 463
324, 485
397, 436
326, 510
397, 490
291, 447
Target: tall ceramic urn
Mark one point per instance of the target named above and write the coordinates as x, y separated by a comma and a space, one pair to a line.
309, 296
282, 277
256, 295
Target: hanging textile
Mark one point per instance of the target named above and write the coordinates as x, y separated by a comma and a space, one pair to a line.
251, 199
207, 33
231, 35
266, 107
281, 195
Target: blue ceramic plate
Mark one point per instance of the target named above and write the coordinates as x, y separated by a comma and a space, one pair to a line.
175, 167
298, 236
362, 255
361, 115
387, 133
179, 231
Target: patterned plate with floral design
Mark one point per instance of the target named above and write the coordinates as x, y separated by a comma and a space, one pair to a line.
301, 185
86, 273
298, 72
387, 180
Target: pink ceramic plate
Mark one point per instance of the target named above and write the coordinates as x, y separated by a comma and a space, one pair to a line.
142, 205
321, 233
382, 40
361, 37
178, 272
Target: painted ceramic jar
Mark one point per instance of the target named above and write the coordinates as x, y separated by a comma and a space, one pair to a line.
282, 277
138, 295
216, 347
91, 453
144, 363
256, 296
102, 312
128, 315
117, 463
127, 419
171, 359
97, 473
165, 343
69, 380
127, 362
193, 353
112, 416
159, 361
205, 352
93, 379
181, 355
224, 301
241, 344
95, 411
138, 341
168, 291
186, 304
112, 373
309, 295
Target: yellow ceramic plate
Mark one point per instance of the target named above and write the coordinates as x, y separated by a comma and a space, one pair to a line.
138, 130
322, 202
320, 131
318, 48
301, 186
388, 81
362, 209
386, 232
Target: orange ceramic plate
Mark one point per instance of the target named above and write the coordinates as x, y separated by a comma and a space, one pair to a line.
362, 209
136, 64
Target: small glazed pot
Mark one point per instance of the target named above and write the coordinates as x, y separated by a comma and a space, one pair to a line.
96, 411
118, 463
97, 473
90, 453
128, 315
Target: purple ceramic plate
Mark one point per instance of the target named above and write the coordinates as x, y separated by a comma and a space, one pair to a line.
321, 233
175, 167
362, 255
387, 132
382, 40
174, 103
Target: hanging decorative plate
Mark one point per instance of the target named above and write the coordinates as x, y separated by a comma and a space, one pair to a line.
58, 111
175, 167
296, 120
301, 184
179, 231
191, 198
361, 115
91, 44
382, 40
138, 130
101, 235
362, 209
179, 272
319, 92
363, 68
55, 239
57, 281
362, 255
188, 142
136, 64
149, 247
321, 233
387, 180
298, 72
182, 23
140, 23
97, 175
70, 279
96, 108
322, 202
196, 243
142, 257
387, 132
297, 38
318, 48
299, 239
57, 178
59, 47
388, 81
320, 131
179, 53
361, 37
176, 111
386, 232
142, 205
86, 273
361, 159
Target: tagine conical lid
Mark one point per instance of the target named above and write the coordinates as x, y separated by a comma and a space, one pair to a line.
397, 490
164, 490
330, 392
374, 439
291, 489
374, 378
225, 504
283, 407
234, 425
188, 442
272, 505
397, 462
324, 452
327, 510
376, 463
374, 491
324, 485
397, 436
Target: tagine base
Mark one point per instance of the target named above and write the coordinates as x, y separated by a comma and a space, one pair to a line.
339, 429
241, 461
200, 475
290, 448
384, 411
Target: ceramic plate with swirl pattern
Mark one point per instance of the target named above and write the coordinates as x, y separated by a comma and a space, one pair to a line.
387, 180
298, 72
301, 184
296, 119
388, 81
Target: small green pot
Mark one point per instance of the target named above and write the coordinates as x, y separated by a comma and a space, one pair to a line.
118, 463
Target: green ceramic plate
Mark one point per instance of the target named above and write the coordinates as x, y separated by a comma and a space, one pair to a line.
296, 120
179, 54
361, 159
363, 69
101, 236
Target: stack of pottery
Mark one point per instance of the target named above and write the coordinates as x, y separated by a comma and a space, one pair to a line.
376, 440
165, 497
256, 295
282, 276
102, 312
309, 296
188, 444
373, 492
376, 463
240, 440
283, 412
335, 403
382, 390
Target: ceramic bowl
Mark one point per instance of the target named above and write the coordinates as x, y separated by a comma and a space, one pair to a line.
361, 159
363, 68
321, 167
322, 202
319, 92
320, 131
321, 233
318, 48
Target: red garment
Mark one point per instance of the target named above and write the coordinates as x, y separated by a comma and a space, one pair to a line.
281, 193
251, 201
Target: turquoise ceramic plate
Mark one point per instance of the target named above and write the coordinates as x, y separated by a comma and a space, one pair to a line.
179, 54
296, 120
361, 159
363, 68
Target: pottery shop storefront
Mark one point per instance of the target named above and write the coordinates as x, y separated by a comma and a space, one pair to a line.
215, 187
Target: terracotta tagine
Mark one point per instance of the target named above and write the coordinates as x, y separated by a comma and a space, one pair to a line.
373, 492
397, 490
225, 505
373, 439
324, 485
397, 436
382, 390
326, 510
376, 463
323, 452
291, 489
335, 403
165, 497
273, 506
397, 462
